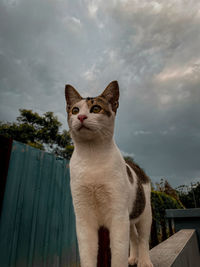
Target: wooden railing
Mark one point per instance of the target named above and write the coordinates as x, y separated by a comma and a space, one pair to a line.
179, 250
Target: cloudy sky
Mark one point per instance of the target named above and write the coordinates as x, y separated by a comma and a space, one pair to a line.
151, 47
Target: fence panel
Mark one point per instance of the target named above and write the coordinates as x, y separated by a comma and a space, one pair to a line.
37, 226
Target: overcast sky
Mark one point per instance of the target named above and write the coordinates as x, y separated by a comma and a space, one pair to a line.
151, 47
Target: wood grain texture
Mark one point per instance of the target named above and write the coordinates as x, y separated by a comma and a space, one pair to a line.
37, 227
180, 250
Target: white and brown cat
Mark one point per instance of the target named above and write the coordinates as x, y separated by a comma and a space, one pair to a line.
106, 190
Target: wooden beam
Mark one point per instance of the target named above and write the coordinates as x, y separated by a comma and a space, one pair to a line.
180, 250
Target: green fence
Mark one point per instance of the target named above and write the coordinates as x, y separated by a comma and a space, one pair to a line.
37, 225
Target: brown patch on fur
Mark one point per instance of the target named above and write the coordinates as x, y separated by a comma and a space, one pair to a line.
91, 101
130, 176
143, 178
140, 202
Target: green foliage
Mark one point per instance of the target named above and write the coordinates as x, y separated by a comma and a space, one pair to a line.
36, 145
190, 196
165, 187
21, 132
162, 198
160, 201
39, 131
161, 228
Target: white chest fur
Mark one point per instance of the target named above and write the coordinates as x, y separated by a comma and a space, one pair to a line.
99, 181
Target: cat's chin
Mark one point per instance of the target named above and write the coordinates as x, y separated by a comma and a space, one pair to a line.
83, 128
83, 133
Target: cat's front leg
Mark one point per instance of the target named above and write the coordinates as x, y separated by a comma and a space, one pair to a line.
119, 241
87, 235
143, 229
133, 258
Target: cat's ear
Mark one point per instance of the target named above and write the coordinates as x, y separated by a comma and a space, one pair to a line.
71, 96
111, 93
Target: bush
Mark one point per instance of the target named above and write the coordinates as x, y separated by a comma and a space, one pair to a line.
160, 201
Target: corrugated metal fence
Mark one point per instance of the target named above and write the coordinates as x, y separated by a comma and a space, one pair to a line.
37, 226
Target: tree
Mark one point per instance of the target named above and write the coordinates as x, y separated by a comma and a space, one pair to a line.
190, 195
166, 188
42, 132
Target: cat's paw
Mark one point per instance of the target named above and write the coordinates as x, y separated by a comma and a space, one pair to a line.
145, 263
132, 260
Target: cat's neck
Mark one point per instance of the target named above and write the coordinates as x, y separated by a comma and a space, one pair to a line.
92, 148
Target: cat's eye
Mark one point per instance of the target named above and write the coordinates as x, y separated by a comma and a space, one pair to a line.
75, 110
95, 109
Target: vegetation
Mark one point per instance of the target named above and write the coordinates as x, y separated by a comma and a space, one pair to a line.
166, 188
189, 195
165, 197
161, 228
42, 132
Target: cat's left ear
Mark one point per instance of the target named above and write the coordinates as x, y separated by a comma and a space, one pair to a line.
111, 93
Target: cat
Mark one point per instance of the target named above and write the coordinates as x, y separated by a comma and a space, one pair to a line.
106, 190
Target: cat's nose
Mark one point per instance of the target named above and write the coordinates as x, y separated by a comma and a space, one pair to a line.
82, 117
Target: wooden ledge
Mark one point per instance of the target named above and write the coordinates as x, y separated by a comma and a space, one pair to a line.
180, 250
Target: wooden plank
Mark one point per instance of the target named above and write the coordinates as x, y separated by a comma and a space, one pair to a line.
37, 227
176, 251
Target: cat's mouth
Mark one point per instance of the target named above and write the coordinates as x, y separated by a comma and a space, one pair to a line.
83, 127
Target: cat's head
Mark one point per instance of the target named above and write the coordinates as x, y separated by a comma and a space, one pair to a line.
92, 117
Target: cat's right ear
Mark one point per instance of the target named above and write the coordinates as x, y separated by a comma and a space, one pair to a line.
71, 96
